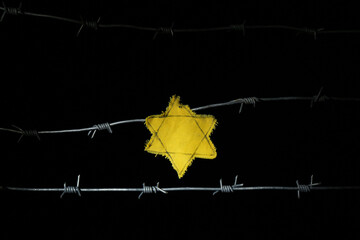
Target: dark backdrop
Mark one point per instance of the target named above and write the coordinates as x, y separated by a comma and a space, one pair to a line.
51, 79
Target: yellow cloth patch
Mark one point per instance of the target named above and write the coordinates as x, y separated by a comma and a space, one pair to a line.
180, 135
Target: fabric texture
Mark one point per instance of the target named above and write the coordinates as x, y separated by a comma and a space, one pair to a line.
180, 135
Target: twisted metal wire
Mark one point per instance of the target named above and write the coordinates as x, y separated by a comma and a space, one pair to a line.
228, 188
90, 24
237, 27
11, 11
249, 100
72, 189
101, 126
319, 97
305, 188
165, 30
27, 133
314, 32
151, 189
154, 189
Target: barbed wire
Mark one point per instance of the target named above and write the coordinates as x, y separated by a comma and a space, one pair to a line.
91, 130
243, 27
299, 188
320, 97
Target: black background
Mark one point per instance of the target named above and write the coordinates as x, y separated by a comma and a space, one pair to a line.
51, 79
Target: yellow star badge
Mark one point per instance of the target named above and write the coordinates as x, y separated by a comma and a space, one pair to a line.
180, 135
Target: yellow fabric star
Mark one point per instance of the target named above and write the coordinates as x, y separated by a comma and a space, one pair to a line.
180, 135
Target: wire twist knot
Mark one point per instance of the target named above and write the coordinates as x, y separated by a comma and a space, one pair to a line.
228, 188
31, 133
90, 24
313, 31
249, 100
165, 30
72, 189
27, 133
239, 28
305, 187
101, 126
151, 189
319, 97
11, 11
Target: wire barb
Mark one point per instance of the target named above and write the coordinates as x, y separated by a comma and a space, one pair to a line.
90, 24
228, 188
101, 126
314, 32
165, 30
72, 189
249, 100
318, 98
151, 189
11, 11
239, 28
305, 188
27, 133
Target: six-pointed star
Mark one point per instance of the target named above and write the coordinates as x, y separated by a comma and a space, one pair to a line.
180, 135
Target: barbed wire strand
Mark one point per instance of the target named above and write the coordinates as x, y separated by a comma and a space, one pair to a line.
16, 11
249, 100
154, 189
